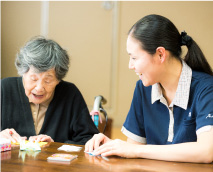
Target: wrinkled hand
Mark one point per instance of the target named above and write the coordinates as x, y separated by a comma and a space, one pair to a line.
96, 141
119, 148
11, 134
41, 138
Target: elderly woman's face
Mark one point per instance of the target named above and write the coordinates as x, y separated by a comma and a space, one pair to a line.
39, 86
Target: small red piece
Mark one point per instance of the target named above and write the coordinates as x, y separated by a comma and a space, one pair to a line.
11, 133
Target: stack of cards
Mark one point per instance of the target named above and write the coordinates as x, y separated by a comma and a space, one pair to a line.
62, 157
5, 144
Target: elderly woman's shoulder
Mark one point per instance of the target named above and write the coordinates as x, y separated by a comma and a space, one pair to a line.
65, 88
66, 85
10, 80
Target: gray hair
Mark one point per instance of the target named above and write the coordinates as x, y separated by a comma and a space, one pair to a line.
43, 54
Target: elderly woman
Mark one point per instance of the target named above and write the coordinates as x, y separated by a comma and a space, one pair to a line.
39, 104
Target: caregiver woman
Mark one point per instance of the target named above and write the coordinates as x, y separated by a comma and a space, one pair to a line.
171, 115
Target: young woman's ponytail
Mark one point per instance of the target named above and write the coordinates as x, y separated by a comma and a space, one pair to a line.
195, 57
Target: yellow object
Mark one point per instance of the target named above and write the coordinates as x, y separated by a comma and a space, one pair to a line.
26, 141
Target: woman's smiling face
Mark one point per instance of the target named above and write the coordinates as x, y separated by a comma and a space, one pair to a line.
142, 62
39, 86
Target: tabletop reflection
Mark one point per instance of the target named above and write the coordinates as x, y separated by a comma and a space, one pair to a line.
30, 153
5, 155
115, 164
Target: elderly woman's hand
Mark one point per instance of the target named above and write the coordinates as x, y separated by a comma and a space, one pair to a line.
41, 138
11, 134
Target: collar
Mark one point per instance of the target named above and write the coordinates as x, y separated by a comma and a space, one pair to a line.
182, 93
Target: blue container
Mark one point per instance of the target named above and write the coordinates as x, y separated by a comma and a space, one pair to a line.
96, 120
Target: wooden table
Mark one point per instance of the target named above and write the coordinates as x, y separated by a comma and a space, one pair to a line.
16, 160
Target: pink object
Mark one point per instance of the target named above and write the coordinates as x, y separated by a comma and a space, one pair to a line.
5, 144
93, 112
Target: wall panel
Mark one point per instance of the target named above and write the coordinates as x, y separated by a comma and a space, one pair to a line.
85, 29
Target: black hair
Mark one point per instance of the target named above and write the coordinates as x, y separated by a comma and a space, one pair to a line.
154, 31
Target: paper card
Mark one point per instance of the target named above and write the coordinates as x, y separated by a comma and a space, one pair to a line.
62, 157
69, 148
92, 154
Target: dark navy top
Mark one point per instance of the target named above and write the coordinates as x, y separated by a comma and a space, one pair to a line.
149, 123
